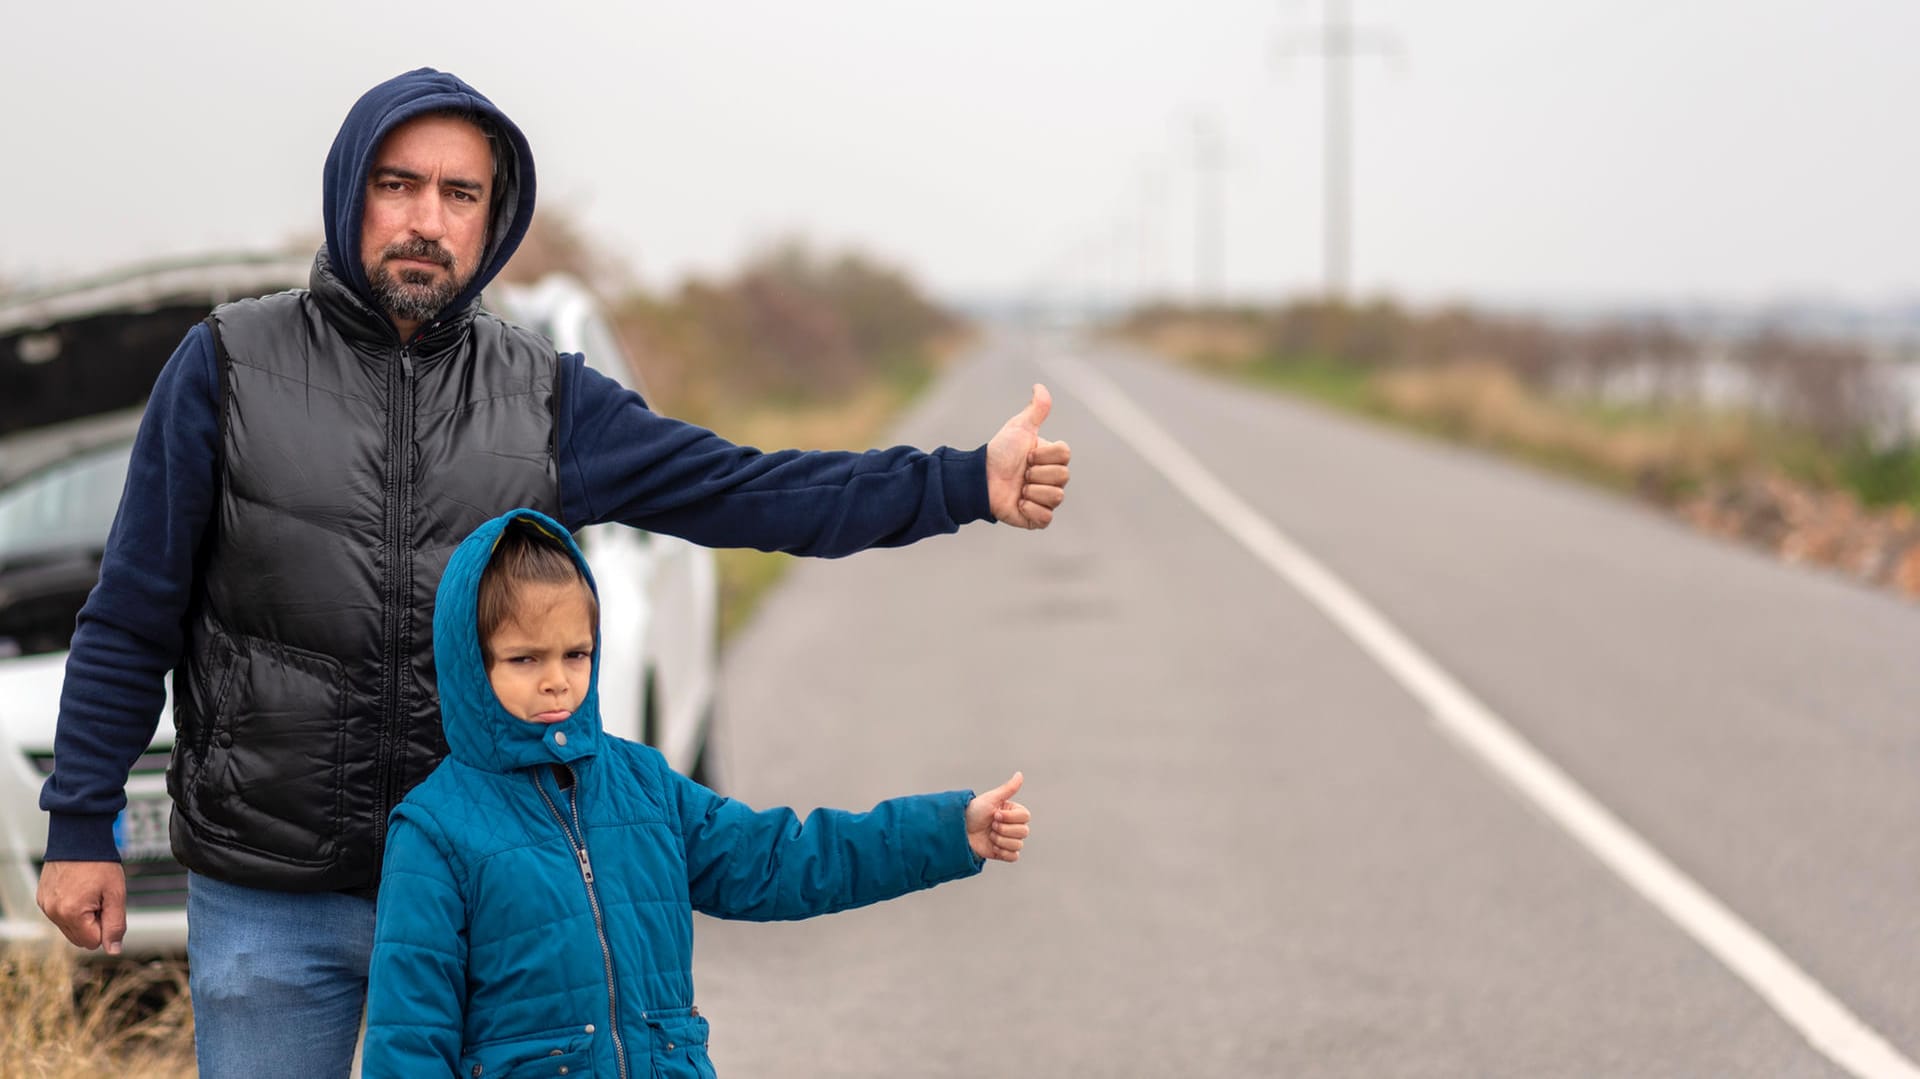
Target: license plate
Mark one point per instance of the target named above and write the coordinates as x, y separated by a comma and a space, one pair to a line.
140, 831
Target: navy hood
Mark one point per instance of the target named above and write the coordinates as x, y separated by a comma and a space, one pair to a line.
380, 110
480, 731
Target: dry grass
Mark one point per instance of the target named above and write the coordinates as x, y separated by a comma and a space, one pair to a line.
1728, 473
66, 1020
1486, 405
855, 422
1205, 341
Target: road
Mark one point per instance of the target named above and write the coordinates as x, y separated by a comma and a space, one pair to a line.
1256, 852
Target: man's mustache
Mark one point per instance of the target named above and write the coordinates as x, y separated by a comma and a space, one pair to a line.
418, 248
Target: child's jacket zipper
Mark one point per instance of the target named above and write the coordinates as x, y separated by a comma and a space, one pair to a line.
577, 839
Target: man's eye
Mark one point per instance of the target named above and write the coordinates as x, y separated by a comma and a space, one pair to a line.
464, 196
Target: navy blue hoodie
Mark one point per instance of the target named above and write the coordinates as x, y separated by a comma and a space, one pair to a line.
618, 461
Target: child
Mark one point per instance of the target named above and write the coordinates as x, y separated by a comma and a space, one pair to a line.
535, 913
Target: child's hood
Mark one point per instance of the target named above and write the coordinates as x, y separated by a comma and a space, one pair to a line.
480, 732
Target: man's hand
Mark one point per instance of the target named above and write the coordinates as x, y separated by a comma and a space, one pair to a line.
996, 824
1026, 474
88, 901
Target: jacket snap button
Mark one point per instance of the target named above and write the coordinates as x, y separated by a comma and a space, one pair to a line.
559, 738
563, 1069
669, 1045
476, 1071
589, 1028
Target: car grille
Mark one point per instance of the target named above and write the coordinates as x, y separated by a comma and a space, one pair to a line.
152, 883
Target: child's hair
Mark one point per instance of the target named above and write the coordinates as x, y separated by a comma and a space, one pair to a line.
525, 555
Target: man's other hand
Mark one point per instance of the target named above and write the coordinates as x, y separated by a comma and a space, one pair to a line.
1026, 474
88, 901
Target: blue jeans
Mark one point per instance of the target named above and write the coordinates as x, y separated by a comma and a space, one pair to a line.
279, 979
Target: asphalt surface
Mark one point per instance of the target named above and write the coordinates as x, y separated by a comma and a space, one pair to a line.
1253, 852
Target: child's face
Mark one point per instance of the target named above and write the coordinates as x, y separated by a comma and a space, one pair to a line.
541, 660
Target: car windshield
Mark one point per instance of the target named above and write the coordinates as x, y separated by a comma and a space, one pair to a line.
68, 506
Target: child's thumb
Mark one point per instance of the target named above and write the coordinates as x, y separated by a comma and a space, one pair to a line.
1005, 791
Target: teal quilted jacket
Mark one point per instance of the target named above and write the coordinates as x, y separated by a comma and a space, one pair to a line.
528, 929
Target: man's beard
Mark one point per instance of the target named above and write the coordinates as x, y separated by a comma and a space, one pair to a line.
415, 295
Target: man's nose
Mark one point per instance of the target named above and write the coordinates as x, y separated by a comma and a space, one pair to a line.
429, 216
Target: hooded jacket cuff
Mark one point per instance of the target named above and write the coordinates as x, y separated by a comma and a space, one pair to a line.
964, 476
78, 837
955, 859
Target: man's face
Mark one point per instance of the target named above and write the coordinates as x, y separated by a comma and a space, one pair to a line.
428, 196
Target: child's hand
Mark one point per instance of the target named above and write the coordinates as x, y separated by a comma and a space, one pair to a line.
997, 825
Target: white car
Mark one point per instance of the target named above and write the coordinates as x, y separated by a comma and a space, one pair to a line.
75, 368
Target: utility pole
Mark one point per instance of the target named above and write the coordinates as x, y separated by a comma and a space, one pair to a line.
1337, 43
1209, 247
1151, 225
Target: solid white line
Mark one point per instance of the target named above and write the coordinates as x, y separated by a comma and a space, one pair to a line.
1826, 1023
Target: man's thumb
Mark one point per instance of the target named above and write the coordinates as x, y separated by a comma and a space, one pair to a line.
1007, 790
113, 921
1037, 409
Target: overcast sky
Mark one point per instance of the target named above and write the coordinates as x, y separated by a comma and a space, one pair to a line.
1572, 151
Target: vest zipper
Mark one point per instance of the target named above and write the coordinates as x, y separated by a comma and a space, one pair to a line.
577, 839
398, 588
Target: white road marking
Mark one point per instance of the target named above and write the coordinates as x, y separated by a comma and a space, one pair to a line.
1826, 1023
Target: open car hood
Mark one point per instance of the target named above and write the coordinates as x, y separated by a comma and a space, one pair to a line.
96, 345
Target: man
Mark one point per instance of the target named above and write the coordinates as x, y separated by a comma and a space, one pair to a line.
306, 464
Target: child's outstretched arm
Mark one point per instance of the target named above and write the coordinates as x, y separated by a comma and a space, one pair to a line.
996, 824
770, 865
416, 989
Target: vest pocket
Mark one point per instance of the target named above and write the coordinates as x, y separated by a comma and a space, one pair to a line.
208, 678
269, 777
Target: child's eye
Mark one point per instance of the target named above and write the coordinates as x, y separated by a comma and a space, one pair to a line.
579, 655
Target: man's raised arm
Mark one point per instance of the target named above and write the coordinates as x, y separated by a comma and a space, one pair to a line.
620, 461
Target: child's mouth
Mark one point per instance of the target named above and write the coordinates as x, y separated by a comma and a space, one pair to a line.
552, 717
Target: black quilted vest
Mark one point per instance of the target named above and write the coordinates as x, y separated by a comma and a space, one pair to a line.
349, 470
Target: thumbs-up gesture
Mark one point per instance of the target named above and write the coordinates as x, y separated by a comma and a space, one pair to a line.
996, 824
1026, 474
